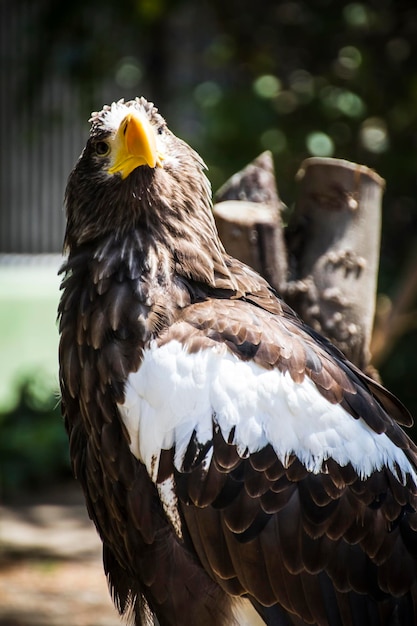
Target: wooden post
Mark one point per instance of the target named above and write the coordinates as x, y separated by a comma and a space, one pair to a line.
333, 243
248, 218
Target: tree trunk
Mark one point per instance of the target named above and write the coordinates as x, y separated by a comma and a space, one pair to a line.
331, 246
397, 316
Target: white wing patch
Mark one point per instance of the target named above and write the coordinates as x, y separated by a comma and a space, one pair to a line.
175, 393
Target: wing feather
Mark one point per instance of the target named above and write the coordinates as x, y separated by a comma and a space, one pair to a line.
322, 541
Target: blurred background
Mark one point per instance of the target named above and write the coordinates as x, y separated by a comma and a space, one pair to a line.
316, 78
323, 77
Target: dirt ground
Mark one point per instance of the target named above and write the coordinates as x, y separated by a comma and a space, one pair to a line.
50, 564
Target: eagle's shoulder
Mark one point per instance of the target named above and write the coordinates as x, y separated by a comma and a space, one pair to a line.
263, 441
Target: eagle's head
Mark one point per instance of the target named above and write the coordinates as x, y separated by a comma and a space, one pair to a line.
134, 173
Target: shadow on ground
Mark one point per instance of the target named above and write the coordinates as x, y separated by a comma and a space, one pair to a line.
50, 563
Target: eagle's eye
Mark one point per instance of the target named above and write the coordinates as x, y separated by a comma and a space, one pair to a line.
102, 148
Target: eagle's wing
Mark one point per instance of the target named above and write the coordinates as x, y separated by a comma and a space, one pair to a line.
281, 463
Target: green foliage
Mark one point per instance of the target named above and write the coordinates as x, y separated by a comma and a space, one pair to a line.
33, 442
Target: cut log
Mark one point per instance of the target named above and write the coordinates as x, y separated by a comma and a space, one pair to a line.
334, 243
248, 217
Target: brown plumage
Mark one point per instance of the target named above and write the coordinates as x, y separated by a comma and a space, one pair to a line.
217, 496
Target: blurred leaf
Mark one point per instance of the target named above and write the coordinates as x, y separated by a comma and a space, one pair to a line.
33, 441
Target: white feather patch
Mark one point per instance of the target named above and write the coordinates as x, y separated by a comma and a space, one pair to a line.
169, 501
113, 115
175, 393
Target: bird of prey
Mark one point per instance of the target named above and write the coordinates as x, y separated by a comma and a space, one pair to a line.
238, 468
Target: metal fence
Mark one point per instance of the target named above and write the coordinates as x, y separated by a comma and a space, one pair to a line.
43, 123
41, 138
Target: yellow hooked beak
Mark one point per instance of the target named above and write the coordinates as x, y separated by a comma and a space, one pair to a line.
134, 145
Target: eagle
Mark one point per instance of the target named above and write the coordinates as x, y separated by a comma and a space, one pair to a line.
238, 469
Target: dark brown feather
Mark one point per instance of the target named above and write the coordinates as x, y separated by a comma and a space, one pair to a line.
204, 488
